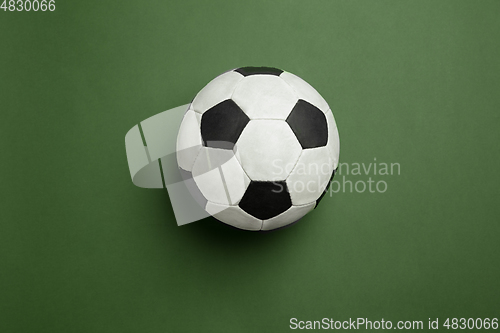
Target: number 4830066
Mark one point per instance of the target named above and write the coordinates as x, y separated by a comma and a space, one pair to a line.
28, 5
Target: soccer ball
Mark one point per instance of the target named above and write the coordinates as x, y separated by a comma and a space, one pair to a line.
261, 145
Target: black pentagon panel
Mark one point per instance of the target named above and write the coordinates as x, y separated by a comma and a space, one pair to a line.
246, 71
265, 200
309, 125
326, 189
222, 125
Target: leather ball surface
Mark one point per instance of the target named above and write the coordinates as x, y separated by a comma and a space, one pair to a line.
260, 146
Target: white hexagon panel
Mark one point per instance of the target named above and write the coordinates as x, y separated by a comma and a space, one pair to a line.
265, 148
265, 97
188, 140
219, 176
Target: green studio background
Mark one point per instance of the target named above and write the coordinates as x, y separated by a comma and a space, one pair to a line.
410, 82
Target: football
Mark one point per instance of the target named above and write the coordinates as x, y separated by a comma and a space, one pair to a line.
260, 146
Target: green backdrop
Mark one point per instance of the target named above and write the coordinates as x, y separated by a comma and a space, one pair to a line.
410, 82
